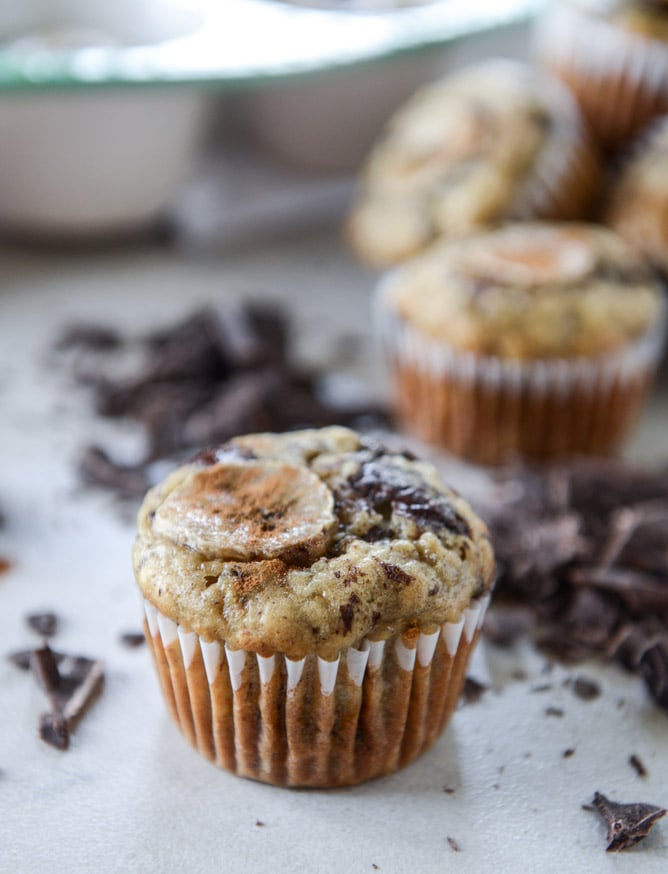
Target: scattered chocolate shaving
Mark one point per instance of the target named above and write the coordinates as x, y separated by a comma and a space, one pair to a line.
93, 337
449, 790
45, 624
454, 845
473, 690
568, 753
586, 689
5, 564
70, 684
584, 547
627, 823
132, 639
554, 711
504, 625
97, 469
217, 373
636, 762
258, 823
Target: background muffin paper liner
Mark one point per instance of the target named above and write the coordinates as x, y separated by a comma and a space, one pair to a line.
313, 722
488, 410
619, 77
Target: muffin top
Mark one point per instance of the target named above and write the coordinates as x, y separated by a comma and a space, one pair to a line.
638, 200
474, 148
528, 291
307, 542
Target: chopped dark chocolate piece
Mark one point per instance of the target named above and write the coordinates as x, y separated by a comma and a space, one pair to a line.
601, 585
5, 564
454, 845
636, 762
568, 753
627, 823
53, 730
132, 639
70, 684
216, 374
45, 624
93, 337
586, 689
97, 468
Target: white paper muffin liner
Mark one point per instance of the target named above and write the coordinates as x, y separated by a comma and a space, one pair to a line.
313, 722
620, 77
490, 409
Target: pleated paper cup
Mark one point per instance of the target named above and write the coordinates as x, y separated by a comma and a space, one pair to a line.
313, 722
619, 77
489, 410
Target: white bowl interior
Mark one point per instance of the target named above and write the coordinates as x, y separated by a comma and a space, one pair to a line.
73, 24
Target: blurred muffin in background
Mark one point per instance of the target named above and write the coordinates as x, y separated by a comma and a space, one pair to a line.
495, 141
613, 55
534, 340
637, 204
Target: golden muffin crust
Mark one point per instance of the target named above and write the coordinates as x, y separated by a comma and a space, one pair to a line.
308, 542
486, 144
530, 291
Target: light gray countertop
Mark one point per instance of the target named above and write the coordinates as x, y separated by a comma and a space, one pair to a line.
130, 795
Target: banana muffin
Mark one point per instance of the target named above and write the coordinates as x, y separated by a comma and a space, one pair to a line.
637, 202
312, 600
534, 340
613, 55
493, 142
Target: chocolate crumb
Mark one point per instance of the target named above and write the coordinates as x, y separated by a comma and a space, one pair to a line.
636, 762
132, 639
473, 690
542, 687
375, 867
454, 845
586, 689
259, 823
627, 823
568, 753
45, 624
449, 790
5, 564
554, 711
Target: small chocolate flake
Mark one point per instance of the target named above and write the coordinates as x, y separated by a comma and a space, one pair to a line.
554, 711
347, 615
449, 790
45, 624
568, 753
586, 689
636, 762
473, 690
627, 823
5, 564
132, 639
396, 574
259, 823
375, 867
454, 845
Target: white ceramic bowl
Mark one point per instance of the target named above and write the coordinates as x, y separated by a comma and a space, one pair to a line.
81, 162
